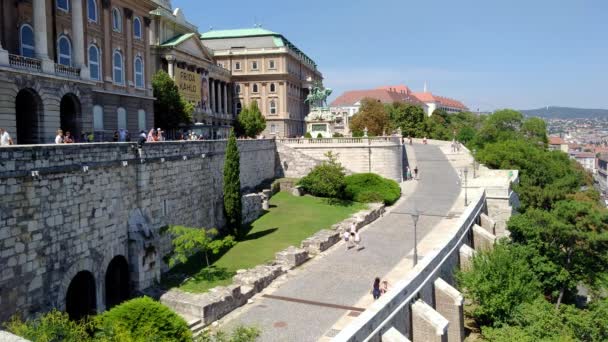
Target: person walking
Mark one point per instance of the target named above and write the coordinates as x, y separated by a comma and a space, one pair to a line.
5, 138
424, 140
376, 288
357, 239
384, 287
59, 137
67, 139
408, 173
416, 173
346, 239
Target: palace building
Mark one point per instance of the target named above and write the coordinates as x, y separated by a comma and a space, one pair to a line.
269, 69
79, 65
178, 50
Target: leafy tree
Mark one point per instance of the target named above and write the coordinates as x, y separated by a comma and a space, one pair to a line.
498, 281
466, 134
232, 187
572, 240
170, 109
535, 130
187, 241
408, 117
250, 121
373, 116
436, 126
502, 125
325, 180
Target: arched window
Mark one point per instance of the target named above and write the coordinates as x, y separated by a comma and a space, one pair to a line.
116, 20
273, 88
121, 118
97, 118
117, 66
139, 72
273, 107
239, 107
94, 63
64, 49
238, 88
63, 5
255, 88
137, 28
26, 38
141, 120
92, 10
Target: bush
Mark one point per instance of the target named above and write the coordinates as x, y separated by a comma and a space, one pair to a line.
239, 334
307, 135
370, 187
145, 317
325, 180
338, 135
53, 326
319, 136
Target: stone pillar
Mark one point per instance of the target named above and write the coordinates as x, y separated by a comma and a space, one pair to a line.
78, 39
40, 36
129, 58
466, 256
148, 62
449, 304
393, 335
225, 99
218, 96
427, 324
487, 223
107, 55
3, 55
171, 62
212, 95
482, 239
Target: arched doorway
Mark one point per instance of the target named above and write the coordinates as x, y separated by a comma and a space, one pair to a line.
80, 300
70, 114
28, 110
117, 282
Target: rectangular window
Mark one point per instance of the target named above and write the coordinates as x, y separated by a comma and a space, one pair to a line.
254, 65
237, 65
141, 120
273, 129
271, 64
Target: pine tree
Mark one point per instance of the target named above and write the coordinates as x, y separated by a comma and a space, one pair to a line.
232, 187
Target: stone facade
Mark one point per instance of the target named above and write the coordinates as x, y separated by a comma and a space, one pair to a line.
76, 211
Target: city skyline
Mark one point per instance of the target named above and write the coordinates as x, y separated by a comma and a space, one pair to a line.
488, 55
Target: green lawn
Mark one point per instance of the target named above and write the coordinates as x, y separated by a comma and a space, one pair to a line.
290, 220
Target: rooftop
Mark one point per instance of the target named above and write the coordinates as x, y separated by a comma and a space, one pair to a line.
351, 98
556, 141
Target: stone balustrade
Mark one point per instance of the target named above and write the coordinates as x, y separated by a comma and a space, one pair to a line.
25, 63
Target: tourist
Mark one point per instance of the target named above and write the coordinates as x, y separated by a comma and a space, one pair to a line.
59, 137
5, 138
416, 173
453, 146
408, 173
91, 136
159, 134
376, 288
424, 140
410, 137
346, 239
68, 138
384, 287
357, 239
150, 137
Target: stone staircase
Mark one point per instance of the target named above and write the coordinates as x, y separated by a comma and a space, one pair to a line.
196, 325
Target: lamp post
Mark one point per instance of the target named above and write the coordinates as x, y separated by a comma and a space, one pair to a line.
466, 200
415, 217
474, 164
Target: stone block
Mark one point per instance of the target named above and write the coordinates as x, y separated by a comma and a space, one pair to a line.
449, 304
252, 207
488, 223
259, 277
466, 254
321, 241
291, 257
393, 335
427, 324
297, 191
482, 239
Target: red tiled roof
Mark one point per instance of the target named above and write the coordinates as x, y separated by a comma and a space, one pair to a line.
398, 89
556, 141
584, 155
425, 97
445, 101
350, 98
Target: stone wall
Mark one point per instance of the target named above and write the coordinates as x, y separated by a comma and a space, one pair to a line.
66, 209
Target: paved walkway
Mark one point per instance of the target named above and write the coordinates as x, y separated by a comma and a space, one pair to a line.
307, 302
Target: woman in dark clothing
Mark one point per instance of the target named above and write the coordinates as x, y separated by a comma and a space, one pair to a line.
376, 289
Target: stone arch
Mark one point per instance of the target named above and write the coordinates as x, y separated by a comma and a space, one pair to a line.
81, 296
70, 114
29, 111
85, 264
117, 282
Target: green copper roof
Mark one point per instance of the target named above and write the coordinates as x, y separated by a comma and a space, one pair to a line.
249, 32
177, 40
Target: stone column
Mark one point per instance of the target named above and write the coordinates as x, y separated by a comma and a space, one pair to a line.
3, 55
218, 97
225, 99
78, 39
107, 55
148, 62
427, 324
212, 95
129, 58
448, 303
171, 62
40, 36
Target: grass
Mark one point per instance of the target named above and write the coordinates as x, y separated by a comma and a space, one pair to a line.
289, 221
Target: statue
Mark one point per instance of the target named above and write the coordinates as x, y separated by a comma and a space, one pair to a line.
318, 96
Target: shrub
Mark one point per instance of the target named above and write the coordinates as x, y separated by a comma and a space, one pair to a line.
51, 327
325, 180
319, 136
144, 317
370, 187
308, 135
239, 334
338, 135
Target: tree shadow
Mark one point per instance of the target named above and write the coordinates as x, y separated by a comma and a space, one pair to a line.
259, 234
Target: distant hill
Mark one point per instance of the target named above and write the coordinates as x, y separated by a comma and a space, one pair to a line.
566, 113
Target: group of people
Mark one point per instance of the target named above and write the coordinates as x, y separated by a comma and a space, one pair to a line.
408, 173
61, 138
352, 238
455, 146
379, 288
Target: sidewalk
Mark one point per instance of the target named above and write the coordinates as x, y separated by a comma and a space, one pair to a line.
315, 301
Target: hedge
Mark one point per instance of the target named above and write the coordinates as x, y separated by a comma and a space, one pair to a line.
370, 187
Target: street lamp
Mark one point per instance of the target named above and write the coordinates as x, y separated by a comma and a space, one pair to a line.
474, 164
466, 172
415, 217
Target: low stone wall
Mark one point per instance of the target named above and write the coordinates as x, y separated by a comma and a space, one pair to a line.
219, 301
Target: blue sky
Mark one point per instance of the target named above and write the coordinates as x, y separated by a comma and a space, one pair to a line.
488, 53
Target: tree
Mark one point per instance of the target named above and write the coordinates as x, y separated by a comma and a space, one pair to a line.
535, 130
325, 180
409, 118
250, 121
373, 116
232, 187
187, 241
170, 109
502, 125
571, 239
498, 281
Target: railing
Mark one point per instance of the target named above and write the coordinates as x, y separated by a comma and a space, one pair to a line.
306, 141
25, 63
379, 317
65, 70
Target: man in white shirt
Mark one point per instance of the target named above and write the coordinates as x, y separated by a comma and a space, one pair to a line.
5, 138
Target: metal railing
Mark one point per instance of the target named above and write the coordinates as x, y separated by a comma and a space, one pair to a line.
65, 70
305, 141
25, 63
